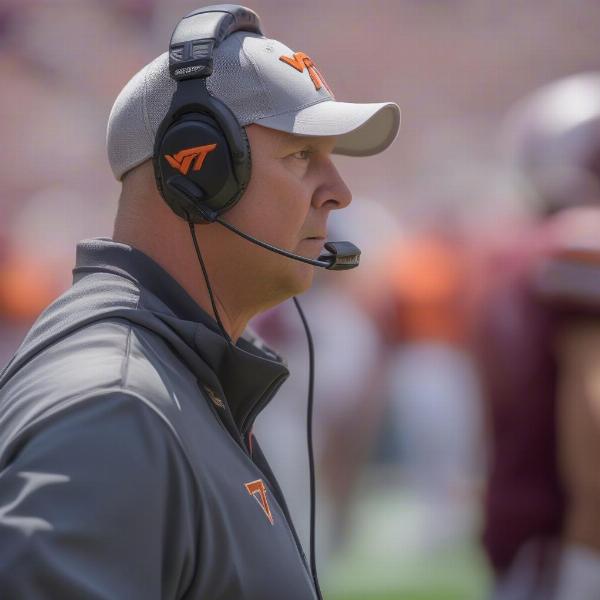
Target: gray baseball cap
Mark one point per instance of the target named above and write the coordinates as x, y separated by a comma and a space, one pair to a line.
262, 81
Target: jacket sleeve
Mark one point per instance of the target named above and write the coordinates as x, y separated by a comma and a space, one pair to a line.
98, 503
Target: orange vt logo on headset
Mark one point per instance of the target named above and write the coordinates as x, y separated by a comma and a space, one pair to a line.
182, 161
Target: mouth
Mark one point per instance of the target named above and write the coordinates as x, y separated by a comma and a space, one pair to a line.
313, 246
315, 241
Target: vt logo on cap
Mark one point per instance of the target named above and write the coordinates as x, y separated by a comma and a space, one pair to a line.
183, 159
300, 60
258, 491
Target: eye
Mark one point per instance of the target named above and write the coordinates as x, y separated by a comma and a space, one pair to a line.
304, 154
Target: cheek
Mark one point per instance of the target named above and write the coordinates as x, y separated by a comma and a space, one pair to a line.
275, 204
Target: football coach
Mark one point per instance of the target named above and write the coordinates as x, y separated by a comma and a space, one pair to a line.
128, 469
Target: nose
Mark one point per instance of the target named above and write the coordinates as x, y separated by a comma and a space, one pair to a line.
332, 192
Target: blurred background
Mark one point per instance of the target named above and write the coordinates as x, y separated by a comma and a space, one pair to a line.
405, 418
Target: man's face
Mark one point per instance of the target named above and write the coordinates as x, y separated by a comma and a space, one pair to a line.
293, 187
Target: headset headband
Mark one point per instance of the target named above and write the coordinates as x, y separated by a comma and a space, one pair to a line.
195, 114
209, 26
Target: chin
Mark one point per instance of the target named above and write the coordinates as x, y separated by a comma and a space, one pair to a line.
306, 284
296, 279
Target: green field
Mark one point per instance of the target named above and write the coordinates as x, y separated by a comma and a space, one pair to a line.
387, 557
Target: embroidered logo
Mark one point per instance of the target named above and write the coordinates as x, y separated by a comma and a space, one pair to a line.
300, 61
182, 161
214, 398
258, 491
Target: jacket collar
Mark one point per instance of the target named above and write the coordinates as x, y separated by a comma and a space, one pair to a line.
248, 373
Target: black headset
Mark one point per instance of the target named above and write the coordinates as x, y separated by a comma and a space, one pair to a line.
198, 192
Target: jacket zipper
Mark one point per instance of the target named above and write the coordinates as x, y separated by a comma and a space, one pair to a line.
248, 421
241, 437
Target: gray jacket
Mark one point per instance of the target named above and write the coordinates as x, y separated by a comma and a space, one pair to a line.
127, 466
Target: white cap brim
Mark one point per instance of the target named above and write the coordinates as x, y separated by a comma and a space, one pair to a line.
361, 129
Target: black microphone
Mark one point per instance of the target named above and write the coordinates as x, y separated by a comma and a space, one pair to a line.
340, 257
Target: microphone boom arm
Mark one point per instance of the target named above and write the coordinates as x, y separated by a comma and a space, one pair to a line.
342, 255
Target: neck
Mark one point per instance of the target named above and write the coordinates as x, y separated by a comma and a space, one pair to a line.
181, 262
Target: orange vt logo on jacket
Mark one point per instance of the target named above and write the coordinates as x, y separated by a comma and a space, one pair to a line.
183, 159
299, 61
258, 491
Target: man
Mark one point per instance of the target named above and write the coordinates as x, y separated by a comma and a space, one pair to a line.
539, 343
127, 464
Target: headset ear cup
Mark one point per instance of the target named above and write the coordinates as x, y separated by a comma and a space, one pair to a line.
201, 140
194, 147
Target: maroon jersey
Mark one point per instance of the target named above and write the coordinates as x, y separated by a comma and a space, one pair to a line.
514, 334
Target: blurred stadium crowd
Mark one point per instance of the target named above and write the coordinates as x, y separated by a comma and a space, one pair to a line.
451, 366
